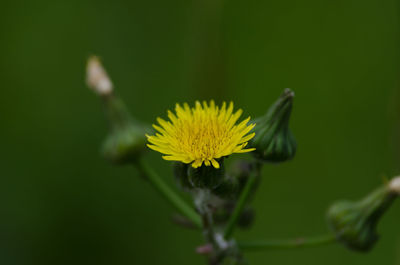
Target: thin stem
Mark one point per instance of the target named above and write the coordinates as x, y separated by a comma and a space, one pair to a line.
168, 193
183, 221
287, 244
241, 202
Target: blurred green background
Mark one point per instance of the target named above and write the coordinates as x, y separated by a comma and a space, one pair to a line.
61, 203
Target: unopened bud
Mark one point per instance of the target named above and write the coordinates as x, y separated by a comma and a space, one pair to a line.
97, 78
222, 214
206, 177
354, 223
124, 145
246, 218
240, 171
126, 140
227, 189
274, 142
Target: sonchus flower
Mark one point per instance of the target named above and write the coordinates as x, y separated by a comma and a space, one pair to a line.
202, 134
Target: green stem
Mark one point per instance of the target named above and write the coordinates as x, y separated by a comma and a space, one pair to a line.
287, 244
168, 193
230, 227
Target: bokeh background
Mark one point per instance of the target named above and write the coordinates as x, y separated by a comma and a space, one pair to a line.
61, 203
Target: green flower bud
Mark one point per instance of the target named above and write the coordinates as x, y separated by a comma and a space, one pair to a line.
206, 177
227, 189
246, 218
126, 140
354, 223
222, 214
274, 142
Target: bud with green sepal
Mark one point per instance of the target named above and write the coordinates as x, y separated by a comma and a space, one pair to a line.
354, 223
206, 177
223, 213
124, 145
274, 141
210, 178
240, 171
126, 140
227, 189
246, 218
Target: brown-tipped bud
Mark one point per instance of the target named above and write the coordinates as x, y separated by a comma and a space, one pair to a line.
97, 78
394, 185
126, 140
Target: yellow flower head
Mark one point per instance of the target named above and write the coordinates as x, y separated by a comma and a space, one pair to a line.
201, 134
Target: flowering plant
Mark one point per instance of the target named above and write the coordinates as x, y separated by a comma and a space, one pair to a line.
199, 139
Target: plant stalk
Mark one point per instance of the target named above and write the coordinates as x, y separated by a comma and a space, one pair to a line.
287, 244
180, 205
230, 227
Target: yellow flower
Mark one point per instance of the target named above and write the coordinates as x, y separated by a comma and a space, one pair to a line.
201, 134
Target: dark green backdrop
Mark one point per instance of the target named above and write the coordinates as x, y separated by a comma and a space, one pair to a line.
60, 203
